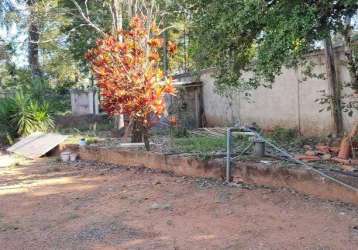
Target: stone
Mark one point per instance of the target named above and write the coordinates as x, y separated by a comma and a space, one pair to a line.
155, 206
307, 158
310, 153
348, 168
323, 149
166, 206
160, 206
326, 157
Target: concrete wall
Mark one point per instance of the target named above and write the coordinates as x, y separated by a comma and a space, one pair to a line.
299, 179
84, 102
290, 103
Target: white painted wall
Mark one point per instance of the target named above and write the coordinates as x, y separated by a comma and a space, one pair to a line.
290, 103
84, 102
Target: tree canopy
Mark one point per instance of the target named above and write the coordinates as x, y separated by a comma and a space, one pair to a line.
261, 36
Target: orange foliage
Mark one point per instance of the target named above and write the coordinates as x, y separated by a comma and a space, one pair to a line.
128, 73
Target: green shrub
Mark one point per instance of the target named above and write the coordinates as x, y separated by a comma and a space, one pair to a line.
7, 109
283, 135
20, 115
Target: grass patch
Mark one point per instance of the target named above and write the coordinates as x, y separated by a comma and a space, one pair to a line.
283, 135
291, 140
90, 138
199, 144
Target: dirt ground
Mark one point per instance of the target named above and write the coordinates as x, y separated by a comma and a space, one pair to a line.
51, 205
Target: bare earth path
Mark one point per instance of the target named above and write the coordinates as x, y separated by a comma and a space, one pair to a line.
49, 205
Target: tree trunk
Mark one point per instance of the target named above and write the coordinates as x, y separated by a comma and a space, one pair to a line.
335, 88
33, 45
117, 24
146, 139
117, 12
137, 132
140, 133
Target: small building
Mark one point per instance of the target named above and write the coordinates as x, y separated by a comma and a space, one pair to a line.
84, 102
187, 105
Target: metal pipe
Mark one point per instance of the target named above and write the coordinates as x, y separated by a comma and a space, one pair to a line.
228, 155
229, 132
244, 151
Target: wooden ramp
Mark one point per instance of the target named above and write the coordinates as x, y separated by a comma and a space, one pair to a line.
37, 144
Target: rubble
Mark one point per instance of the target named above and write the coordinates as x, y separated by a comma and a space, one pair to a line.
310, 153
323, 149
345, 148
307, 158
348, 168
326, 157
323, 152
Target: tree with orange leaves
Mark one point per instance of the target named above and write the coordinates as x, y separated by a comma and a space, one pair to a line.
129, 76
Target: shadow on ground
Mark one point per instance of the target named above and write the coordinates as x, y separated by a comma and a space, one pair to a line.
46, 204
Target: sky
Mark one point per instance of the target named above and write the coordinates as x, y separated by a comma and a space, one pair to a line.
18, 37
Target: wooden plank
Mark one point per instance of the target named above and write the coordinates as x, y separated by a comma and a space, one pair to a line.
37, 144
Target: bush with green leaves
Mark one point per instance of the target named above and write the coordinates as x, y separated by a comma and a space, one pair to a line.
22, 115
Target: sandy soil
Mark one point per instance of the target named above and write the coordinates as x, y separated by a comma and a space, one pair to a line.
50, 205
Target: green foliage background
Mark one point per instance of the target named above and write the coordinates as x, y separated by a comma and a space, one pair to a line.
236, 36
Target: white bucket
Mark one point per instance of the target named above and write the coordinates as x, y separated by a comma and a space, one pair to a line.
65, 156
82, 142
73, 157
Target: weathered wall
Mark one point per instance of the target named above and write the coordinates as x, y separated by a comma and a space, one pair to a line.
299, 179
290, 103
84, 102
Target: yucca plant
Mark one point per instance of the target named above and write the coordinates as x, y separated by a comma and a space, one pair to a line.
43, 116
19, 115
22, 117
7, 129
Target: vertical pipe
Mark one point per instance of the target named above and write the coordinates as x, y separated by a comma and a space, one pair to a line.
299, 81
228, 155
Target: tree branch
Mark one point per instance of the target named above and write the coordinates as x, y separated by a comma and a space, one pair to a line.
87, 19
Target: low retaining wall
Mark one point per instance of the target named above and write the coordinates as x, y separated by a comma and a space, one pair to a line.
299, 179
179, 165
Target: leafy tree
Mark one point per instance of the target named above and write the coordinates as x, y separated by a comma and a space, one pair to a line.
97, 18
11, 12
261, 36
129, 76
80, 36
